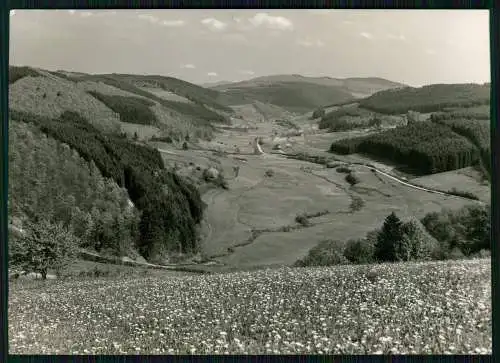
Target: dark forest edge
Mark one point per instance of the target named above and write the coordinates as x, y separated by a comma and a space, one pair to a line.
170, 207
416, 145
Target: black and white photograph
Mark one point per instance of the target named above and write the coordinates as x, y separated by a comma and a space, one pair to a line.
226, 182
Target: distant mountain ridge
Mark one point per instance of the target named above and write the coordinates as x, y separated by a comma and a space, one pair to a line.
368, 85
297, 93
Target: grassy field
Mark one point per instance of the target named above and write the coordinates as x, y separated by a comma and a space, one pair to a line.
255, 202
467, 179
440, 307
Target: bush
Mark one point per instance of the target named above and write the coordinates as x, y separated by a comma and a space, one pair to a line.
464, 194
269, 173
302, 220
185, 146
356, 204
467, 229
326, 253
360, 251
320, 112
352, 179
45, 246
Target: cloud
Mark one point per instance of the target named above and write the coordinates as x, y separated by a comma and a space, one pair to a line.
430, 51
366, 35
72, 12
347, 22
311, 43
173, 23
271, 22
188, 66
212, 74
214, 24
12, 13
150, 18
247, 72
86, 14
396, 37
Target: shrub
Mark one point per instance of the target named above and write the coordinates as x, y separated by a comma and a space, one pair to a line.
185, 146
356, 204
269, 173
359, 251
302, 219
45, 246
467, 229
464, 194
352, 179
326, 253
320, 112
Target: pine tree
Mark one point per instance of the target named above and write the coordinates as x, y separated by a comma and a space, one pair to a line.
389, 237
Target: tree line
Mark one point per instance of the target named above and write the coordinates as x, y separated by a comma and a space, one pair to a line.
448, 234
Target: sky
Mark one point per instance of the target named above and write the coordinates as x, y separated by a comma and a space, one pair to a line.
415, 47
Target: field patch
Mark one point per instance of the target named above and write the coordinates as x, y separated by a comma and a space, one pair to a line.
467, 180
167, 95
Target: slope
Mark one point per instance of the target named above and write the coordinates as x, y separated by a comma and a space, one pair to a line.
48, 178
292, 96
429, 98
298, 93
111, 104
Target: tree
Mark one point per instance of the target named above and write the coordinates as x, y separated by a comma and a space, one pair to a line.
375, 122
320, 112
44, 246
136, 137
415, 245
389, 237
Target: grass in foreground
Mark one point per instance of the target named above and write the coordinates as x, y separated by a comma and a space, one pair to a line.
439, 307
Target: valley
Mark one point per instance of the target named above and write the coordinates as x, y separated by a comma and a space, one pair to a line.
163, 182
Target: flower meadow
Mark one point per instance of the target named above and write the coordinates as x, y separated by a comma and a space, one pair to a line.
404, 308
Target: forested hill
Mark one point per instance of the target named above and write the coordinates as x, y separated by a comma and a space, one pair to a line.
169, 207
430, 98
